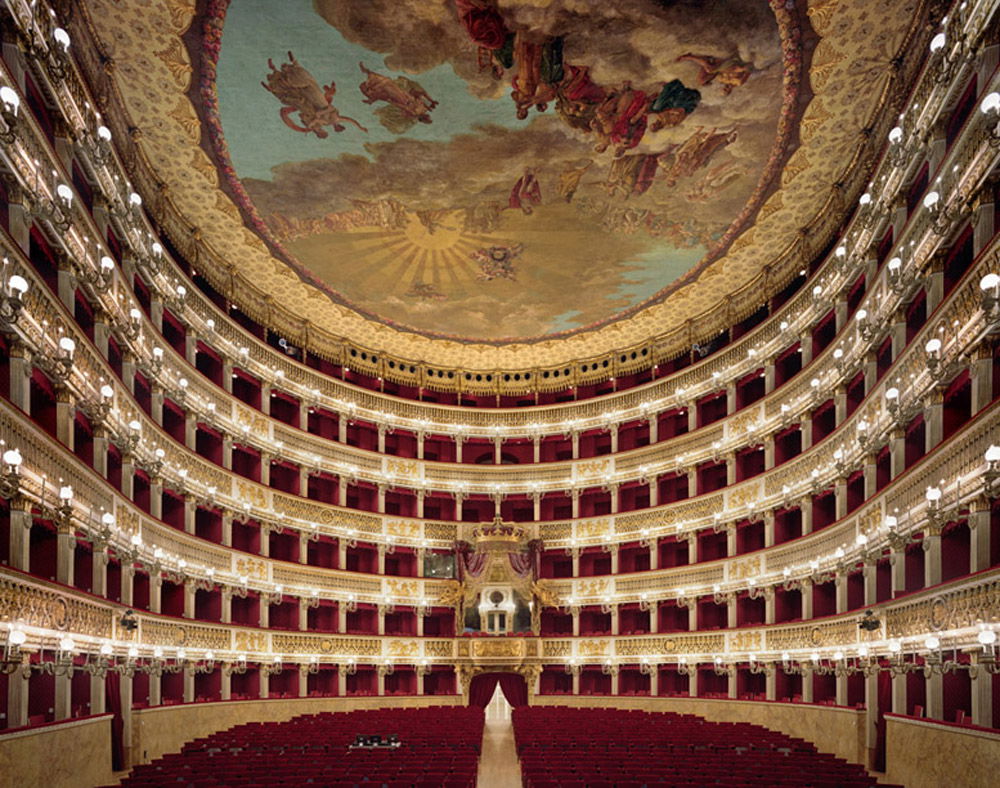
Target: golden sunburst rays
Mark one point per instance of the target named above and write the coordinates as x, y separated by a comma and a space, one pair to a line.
431, 256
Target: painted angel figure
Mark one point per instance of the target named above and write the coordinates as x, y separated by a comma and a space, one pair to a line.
299, 92
497, 262
407, 101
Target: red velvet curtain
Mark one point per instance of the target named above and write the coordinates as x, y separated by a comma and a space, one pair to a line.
884, 700
113, 703
513, 686
481, 689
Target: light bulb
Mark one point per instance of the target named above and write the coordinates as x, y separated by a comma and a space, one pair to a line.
10, 99
18, 285
61, 38
12, 457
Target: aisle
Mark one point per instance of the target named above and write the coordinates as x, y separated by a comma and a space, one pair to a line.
498, 764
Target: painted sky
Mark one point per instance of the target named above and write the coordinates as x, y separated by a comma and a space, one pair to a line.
397, 224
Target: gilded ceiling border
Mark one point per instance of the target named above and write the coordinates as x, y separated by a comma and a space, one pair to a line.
204, 49
886, 56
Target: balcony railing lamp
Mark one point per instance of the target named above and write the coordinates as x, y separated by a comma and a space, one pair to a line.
991, 477
11, 299
989, 286
13, 658
100, 279
10, 103
10, 478
990, 107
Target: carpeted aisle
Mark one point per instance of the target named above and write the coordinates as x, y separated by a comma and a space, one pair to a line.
498, 764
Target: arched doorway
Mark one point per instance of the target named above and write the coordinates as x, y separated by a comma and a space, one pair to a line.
513, 686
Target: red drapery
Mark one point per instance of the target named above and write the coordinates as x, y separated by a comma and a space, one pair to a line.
113, 703
513, 686
884, 701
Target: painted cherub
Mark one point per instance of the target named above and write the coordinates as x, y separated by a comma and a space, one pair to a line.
728, 72
299, 92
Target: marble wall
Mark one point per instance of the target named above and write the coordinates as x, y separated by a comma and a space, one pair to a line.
928, 754
72, 754
832, 729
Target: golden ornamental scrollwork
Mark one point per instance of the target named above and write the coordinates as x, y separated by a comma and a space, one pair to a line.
498, 648
745, 641
588, 529
50, 610
251, 494
402, 588
403, 528
593, 468
594, 648
440, 531
750, 567
438, 648
557, 648
403, 648
250, 641
251, 567
592, 587
407, 469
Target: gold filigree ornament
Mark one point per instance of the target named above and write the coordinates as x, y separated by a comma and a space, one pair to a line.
940, 613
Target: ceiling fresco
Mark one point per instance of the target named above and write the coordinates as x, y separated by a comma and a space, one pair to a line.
437, 240
491, 169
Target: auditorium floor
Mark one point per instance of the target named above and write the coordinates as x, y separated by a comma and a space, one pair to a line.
498, 764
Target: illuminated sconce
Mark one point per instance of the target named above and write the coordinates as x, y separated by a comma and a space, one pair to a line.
867, 328
990, 107
991, 478
989, 287
11, 298
13, 658
102, 278
942, 217
133, 326
10, 103
901, 281
10, 478
99, 144
99, 664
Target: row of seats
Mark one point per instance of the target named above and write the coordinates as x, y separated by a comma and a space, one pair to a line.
439, 747
614, 748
